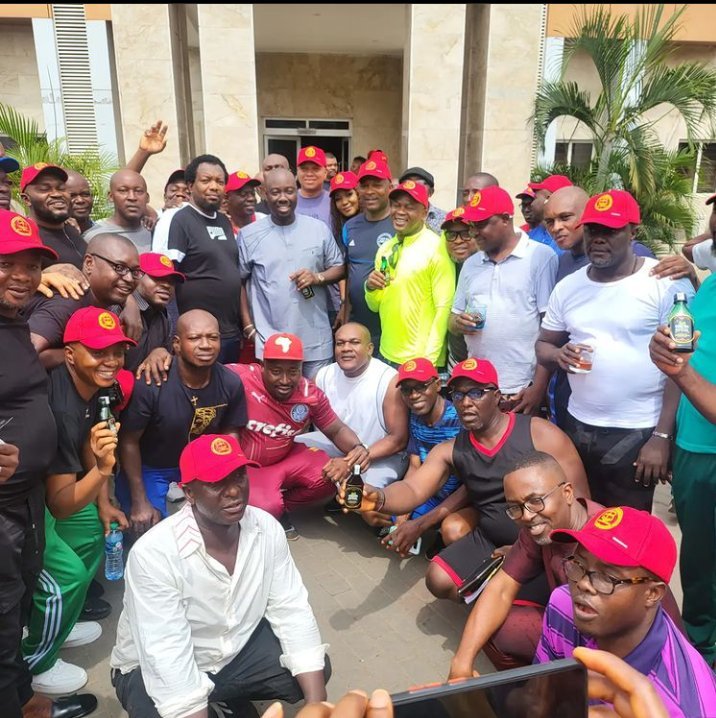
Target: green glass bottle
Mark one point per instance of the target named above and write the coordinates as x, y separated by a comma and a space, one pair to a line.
681, 325
385, 269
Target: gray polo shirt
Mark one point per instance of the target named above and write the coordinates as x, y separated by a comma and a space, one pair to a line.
268, 254
141, 238
516, 292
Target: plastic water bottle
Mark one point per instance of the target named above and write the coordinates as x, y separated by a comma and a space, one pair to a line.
113, 550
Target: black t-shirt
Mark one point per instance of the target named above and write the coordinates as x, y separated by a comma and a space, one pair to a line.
24, 402
68, 244
48, 316
75, 418
155, 333
172, 414
206, 251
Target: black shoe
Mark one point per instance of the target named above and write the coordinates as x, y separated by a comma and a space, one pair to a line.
289, 528
96, 589
94, 609
74, 706
333, 507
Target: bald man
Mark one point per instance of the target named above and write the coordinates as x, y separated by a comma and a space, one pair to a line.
81, 200
199, 397
128, 193
273, 162
474, 183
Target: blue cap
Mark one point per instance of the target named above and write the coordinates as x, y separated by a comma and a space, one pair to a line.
8, 164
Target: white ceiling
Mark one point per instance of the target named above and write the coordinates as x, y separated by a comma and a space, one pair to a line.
349, 29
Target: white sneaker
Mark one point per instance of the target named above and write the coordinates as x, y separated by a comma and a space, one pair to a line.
175, 493
60, 679
83, 633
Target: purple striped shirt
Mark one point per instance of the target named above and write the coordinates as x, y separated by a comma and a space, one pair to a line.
681, 677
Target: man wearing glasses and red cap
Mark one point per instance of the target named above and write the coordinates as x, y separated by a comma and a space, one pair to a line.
617, 579
215, 611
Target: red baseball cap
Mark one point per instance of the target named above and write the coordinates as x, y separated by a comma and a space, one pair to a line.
374, 168
159, 265
527, 192
125, 379
481, 371
419, 192
465, 214
490, 201
418, 370
343, 180
624, 536
379, 156
237, 180
615, 208
311, 154
283, 346
211, 458
31, 173
551, 183
96, 328
18, 234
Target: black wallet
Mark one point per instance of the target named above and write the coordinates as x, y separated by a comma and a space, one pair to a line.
473, 585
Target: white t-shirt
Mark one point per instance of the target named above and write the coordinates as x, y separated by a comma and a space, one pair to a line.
624, 388
704, 258
358, 401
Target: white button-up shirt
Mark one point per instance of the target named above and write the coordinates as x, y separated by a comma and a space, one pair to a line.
184, 616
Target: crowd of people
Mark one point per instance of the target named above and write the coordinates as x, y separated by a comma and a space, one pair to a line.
510, 395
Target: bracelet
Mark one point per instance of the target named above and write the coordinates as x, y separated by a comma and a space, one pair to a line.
246, 329
382, 501
662, 435
360, 443
321, 279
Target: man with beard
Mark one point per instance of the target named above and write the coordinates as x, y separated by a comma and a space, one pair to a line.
201, 243
29, 441
617, 578
199, 396
215, 611
621, 411
43, 189
128, 193
482, 453
112, 269
286, 261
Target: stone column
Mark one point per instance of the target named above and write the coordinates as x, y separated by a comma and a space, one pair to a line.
146, 86
228, 78
432, 94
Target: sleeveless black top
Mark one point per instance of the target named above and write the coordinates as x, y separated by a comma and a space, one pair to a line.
482, 471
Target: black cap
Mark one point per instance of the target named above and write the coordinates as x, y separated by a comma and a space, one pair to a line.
418, 172
176, 176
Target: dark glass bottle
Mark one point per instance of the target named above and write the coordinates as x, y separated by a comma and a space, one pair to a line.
681, 325
354, 489
105, 413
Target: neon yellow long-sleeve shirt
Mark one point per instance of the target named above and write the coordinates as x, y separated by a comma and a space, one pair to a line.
414, 308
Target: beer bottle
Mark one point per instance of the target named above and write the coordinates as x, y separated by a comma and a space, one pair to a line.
384, 270
681, 325
105, 413
354, 489
308, 292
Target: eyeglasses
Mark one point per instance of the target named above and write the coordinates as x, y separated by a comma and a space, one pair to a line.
120, 269
464, 236
473, 394
420, 387
601, 582
534, 505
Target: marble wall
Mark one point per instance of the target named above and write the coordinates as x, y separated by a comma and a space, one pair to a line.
19, 80
364, 89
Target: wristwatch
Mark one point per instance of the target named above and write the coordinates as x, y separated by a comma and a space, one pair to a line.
321, 278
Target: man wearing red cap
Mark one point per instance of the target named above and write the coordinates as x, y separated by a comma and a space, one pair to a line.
281, 404
412, 283
43, 190
617, 579
490, 442
313, 198
215, 612
501, 296
621, 410
74, 525
364, 234
154, 292
29, 438
435, 216
241, 200
475, 183
542, 191
289, 259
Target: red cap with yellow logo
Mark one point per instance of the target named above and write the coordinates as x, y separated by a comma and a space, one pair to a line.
480, 371
418, 192
19, 234
311, 154
374, 168
490, 201
31, 173
465, 214
211, 458
419, 369
343, 180
238, 180
615, 209
623, 536
95, 328
158, 265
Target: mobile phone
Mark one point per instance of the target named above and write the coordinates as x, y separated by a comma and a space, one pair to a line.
415, 548
547, 690
476, 583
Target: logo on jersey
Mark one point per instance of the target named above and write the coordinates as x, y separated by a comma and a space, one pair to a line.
299, 412
21, 226
382, 239
271, 430
604, 203
106, 321
220, 447
216, 233
609, 519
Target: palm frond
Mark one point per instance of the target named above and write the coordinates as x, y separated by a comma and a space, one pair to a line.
560, 99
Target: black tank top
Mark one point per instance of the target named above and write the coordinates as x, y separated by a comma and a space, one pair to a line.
482, 471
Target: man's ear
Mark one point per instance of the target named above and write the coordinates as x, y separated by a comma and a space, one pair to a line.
655, 593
